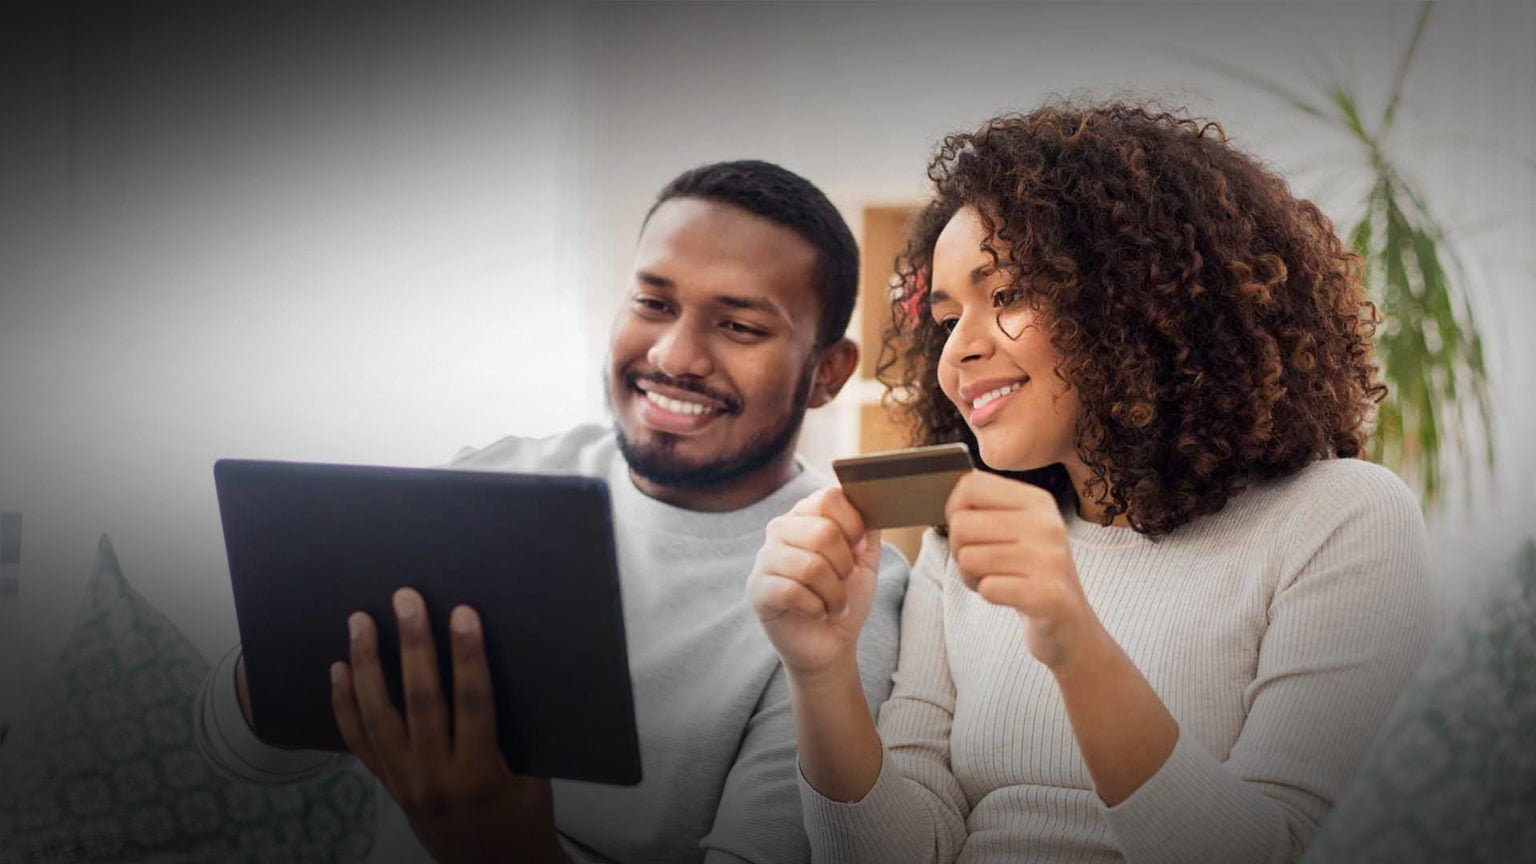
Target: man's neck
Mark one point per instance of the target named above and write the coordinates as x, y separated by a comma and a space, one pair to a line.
722, 498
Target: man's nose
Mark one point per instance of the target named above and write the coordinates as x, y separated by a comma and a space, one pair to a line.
680, 352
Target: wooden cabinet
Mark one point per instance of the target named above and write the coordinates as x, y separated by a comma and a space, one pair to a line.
883, 234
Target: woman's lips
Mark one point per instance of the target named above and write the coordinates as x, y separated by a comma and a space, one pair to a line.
986, 413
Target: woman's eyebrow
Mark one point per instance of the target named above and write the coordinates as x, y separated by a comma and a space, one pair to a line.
979, 274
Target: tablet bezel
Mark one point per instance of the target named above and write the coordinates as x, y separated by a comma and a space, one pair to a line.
309, 543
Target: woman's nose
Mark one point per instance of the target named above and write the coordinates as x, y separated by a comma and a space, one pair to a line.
968, 342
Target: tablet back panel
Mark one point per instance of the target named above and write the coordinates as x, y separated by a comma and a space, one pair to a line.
309, 544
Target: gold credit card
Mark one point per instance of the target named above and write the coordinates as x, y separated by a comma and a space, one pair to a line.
902, 487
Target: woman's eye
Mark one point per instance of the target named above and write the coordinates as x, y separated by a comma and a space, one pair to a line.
1006, 297
948, 324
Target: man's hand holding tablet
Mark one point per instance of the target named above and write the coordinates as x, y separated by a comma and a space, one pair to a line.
453, 783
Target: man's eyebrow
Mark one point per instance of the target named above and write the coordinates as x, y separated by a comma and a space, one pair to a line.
653, 280
758, 304
730, 301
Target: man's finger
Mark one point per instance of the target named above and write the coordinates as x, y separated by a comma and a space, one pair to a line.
474, 704
350, 720
426, 714
385, 728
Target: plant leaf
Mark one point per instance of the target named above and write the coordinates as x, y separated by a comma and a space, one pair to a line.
1428, 347
1260, 82
1402, 68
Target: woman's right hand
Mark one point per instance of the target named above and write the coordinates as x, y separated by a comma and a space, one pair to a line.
814, 582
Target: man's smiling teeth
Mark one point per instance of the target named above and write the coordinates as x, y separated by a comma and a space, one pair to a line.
990, 395
678, 406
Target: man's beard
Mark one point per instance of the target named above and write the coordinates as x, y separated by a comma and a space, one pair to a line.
660, 464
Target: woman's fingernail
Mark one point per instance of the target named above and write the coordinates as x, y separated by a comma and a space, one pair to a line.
355, 625
338, 670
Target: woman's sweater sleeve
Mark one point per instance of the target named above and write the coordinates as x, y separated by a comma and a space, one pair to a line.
1351, 616
916, 810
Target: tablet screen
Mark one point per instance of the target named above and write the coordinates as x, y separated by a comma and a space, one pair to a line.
308, 544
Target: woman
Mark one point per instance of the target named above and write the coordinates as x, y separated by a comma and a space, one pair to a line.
1166, 620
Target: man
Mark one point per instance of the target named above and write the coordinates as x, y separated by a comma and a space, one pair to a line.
744, 281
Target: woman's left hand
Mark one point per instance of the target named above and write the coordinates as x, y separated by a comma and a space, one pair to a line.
1011, 544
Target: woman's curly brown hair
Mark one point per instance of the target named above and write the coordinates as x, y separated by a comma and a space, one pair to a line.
1214, 326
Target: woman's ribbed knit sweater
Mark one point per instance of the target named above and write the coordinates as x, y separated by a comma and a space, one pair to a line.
1277, 632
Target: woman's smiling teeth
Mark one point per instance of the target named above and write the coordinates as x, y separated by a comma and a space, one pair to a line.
678, 406
991, 395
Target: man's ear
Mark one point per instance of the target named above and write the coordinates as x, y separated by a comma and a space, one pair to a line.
833, 370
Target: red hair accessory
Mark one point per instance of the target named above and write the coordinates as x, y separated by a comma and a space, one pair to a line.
917, 291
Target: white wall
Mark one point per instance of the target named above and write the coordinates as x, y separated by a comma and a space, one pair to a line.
856, 95
305, 231
375, 232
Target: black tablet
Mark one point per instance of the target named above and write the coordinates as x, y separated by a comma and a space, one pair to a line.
309, 544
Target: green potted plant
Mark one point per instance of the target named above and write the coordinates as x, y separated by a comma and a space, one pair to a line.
1437, 412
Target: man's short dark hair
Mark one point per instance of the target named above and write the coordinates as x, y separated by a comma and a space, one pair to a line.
786, 198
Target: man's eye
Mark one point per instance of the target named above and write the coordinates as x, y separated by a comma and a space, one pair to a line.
740, 329
651, 304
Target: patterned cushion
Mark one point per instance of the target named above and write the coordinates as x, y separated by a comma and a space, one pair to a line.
103, 766
1452, 777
